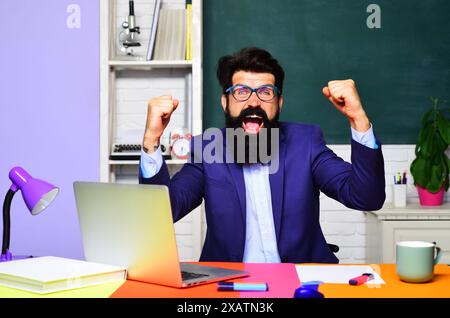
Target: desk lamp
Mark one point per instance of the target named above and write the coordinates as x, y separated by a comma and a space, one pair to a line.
37, 195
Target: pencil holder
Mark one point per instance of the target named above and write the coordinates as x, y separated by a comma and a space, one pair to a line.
399, 195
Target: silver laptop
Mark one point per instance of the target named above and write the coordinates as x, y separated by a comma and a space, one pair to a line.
131, 226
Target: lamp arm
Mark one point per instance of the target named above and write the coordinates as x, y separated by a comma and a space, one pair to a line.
7, 220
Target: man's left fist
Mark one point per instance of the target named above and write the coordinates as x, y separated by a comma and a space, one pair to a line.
344, 96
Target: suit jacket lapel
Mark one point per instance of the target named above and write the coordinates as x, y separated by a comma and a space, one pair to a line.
277, 187
237, 174
238, 178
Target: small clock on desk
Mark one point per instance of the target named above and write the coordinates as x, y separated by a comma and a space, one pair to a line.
180, 143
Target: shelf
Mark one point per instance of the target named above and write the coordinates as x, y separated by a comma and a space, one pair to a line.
413, 211
136, 162
127, 64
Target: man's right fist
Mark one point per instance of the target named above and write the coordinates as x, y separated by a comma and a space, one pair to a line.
158, 116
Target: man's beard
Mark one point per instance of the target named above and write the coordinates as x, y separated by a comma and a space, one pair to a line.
252, 141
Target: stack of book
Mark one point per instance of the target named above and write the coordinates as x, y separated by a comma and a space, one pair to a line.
170, 36
50, 274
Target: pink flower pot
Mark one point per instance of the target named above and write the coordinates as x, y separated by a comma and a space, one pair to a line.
430, 199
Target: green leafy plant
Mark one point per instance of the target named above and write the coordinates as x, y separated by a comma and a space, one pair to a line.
431, 166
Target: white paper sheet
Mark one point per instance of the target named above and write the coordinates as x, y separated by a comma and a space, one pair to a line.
336, 274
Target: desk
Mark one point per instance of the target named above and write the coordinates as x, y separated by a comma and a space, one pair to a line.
439, 287
283, 280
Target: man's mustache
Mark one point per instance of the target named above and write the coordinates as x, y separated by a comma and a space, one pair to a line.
253, 111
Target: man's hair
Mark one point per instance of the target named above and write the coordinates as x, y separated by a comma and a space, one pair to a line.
250, 59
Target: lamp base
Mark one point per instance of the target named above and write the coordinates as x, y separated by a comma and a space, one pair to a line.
9, 257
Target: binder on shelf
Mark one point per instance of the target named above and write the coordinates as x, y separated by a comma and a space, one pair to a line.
50, 274
189, 32
151, 42
171, 35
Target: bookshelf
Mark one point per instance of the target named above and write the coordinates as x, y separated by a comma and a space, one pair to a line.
126, 85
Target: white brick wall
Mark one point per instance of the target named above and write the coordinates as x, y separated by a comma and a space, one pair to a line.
133, 91
348, 228
341, 226
345, 227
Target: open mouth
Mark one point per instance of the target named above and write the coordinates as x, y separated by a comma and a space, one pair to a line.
252, 124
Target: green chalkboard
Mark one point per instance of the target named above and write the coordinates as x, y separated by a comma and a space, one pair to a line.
397, 67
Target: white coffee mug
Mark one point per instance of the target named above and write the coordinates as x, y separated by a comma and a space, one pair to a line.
416, 260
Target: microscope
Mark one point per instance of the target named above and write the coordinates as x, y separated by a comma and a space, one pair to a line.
127, 37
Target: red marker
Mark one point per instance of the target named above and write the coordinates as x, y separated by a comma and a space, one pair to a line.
361, 279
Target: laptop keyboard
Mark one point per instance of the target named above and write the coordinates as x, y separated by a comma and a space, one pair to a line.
189, 275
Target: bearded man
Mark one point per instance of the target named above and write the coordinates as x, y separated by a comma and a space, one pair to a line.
254, 214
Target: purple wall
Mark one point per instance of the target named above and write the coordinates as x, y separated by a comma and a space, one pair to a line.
49, 115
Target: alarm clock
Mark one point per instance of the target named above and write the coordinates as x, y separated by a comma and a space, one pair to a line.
180, 141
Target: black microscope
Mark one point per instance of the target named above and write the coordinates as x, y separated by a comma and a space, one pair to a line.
127, 37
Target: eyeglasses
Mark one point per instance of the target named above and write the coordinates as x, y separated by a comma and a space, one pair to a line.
242, 93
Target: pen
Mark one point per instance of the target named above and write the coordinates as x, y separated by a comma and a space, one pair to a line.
226, 286
404, 178
361, 279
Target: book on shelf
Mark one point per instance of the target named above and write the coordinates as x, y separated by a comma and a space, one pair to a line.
189, 32
151, 42
171, 35
50, 274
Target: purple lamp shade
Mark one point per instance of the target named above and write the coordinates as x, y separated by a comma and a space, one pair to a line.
36, 193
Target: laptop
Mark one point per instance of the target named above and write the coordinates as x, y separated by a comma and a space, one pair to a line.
131, 225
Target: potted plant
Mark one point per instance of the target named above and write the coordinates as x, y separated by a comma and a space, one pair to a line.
430, 169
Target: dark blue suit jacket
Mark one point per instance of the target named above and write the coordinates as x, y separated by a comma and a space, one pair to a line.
306, 167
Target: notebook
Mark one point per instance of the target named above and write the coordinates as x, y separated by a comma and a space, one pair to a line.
131, 225
50, 274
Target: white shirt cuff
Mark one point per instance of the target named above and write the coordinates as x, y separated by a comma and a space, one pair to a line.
151, 163
366, 138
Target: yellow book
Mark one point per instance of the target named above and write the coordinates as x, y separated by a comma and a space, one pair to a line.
189, 32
